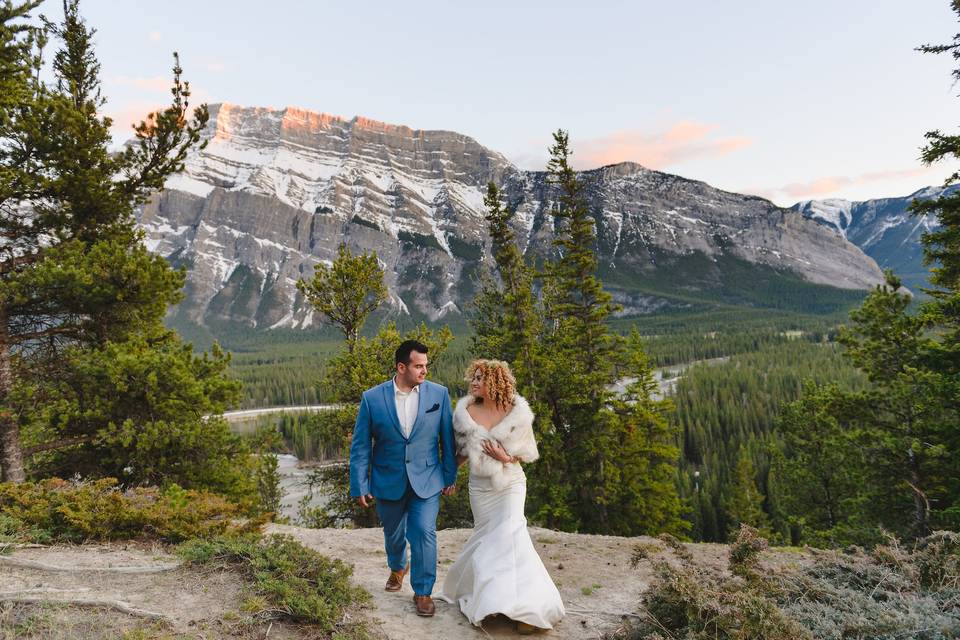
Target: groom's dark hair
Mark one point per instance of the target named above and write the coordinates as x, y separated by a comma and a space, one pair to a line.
402, 355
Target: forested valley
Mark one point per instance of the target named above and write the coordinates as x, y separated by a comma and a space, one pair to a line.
829, 424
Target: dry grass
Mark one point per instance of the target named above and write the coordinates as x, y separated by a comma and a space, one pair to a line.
889, 593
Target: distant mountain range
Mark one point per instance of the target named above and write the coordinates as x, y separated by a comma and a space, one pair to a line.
275, 192
883, 228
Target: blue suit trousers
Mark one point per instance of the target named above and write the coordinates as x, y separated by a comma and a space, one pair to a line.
412, 519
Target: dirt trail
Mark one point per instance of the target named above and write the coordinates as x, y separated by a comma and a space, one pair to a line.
593, 575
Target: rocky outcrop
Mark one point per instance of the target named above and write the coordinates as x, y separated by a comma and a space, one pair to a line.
275, 191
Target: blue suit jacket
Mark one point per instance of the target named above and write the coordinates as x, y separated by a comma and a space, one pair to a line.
382, 459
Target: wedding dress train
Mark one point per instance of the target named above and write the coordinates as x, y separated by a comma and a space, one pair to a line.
499, 570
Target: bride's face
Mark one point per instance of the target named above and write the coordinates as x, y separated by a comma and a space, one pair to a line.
478, 388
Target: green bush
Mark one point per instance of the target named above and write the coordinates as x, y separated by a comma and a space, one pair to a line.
296, 582
59, 510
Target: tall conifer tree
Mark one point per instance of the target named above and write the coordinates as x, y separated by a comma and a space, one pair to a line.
583, 354
86, 365
745, 503
608, 461
507, 324
908, 422
942, 252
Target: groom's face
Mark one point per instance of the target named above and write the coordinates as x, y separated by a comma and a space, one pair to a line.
415, 371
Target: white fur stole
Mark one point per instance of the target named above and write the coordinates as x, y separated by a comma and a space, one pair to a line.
514, 432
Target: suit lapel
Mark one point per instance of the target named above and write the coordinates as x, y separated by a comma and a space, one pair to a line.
422, 408
390, 400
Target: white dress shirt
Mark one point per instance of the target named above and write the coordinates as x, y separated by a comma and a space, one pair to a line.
408, 403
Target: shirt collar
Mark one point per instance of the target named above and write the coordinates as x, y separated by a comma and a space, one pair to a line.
396, 389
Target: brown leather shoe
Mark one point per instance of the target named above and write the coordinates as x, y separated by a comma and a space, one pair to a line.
395, 581
425, 606
525, 629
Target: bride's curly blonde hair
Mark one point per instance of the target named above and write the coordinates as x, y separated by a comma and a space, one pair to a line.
499, 380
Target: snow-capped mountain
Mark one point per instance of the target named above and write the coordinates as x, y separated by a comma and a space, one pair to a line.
882, 228
275, 191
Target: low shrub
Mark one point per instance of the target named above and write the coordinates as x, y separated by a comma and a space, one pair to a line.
644, 551
338, 508
290, 580
885, 594
56, 510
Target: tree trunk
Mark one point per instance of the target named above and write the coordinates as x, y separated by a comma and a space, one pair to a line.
831, 517
11, 454
921, 506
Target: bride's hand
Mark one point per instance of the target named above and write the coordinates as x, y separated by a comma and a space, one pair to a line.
496, 451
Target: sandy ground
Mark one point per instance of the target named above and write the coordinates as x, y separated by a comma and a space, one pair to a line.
593, 574
193, 603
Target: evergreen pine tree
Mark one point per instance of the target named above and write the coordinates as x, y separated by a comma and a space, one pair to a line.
822, 469
506, 322
745, 502
86, 367
583, 354
347, 291
893, 439
607, 463
647, 500
19, 60
907, 420
942, 252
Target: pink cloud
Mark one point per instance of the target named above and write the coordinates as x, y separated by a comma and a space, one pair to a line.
831, 184
126, 116
154, 36
682, 141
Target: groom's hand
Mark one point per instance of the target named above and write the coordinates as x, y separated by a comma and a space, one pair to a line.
449, 491
365, 501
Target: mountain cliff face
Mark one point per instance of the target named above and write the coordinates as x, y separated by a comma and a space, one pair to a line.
882, 228
275, 192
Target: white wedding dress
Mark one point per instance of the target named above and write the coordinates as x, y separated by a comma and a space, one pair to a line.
499, 570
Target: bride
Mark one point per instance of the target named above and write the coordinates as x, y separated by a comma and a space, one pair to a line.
498, 570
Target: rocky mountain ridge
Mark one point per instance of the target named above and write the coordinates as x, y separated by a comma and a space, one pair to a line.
883, 228
275, 191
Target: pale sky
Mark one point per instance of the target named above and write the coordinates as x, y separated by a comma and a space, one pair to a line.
788, 100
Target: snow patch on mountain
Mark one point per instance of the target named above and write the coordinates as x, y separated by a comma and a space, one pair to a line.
277, 191
833, 212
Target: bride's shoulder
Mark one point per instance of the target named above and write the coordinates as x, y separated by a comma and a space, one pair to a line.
460, 415
521, 403
464, 402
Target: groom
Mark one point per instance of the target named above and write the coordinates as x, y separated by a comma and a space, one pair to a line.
408, 421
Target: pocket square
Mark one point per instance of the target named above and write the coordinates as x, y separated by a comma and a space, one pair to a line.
435, 406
